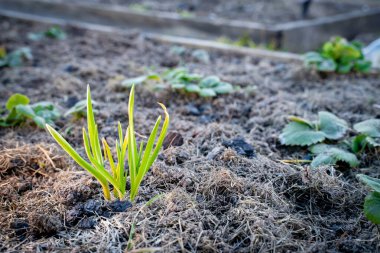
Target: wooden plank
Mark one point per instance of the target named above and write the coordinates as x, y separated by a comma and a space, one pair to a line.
194, 43
298, 36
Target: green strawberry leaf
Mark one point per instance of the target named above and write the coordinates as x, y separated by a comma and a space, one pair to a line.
223, 88
178, 85
16, 99
209, 82
372, 207
369, 127
192, 88
206, 92
373, 183
373, 142
333, 127
300, 134
331, 155
302, 121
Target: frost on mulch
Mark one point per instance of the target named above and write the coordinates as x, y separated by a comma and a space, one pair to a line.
229, 203
218, 185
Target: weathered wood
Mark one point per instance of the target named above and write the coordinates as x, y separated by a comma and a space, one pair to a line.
194, 43
297, 36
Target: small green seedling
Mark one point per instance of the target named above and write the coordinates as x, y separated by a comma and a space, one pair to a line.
372, 201
19, 111
369, 135
139, 161
16, 58
54, 32
338, 55
302, 132
181, 80
78, 110
331, 154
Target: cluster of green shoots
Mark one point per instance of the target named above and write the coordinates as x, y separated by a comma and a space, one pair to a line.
140, 157
181, 80
327, 141
338, 55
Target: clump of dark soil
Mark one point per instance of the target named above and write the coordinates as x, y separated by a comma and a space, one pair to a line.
219, 184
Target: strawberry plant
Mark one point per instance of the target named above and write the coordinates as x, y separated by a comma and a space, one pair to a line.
19, 111
54, 32
302, 132
15, 58
369, 135
372, 201
338, 55
79, 110
331, 129
180, 79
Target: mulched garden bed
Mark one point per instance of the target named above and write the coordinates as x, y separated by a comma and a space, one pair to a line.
213, 197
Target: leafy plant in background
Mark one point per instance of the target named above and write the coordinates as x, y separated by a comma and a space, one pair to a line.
180, 79
54, 32
338, 55
19, 111
372, 201
139, 161
15, 58
199, 54
302, 132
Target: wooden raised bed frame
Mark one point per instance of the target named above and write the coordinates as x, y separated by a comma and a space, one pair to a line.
297, 36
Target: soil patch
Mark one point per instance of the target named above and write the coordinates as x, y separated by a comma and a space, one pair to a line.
211, 195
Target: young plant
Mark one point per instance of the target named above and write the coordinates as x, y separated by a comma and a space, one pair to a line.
180, 79
338, 55
369, 135
140, 161
372, 201
15, 58
19, 111
331, 154
302, 132
78, 110
126, 146
54, 32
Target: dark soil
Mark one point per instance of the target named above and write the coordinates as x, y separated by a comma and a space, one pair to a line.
261, 11
220, 181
